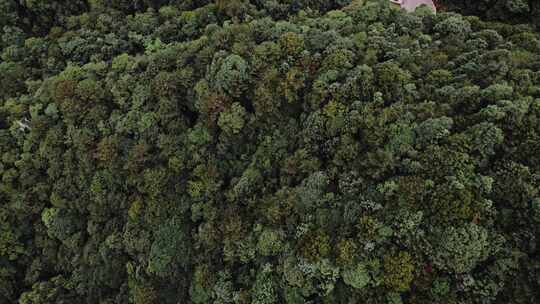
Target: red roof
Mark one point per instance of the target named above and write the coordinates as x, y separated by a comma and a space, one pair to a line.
411, 5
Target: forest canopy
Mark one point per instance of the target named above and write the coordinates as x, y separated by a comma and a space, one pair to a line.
280, 151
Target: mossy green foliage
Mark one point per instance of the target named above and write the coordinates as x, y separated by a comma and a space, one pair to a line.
398, 271
276, 151
511, 11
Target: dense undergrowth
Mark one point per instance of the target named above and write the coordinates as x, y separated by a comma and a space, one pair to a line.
267, 152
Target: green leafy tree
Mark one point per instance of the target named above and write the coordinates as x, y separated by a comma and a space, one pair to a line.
461, 249
233, 120
264, 289
357, 276
169, 251
271, 242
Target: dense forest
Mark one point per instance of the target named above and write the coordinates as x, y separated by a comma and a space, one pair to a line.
269, 151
